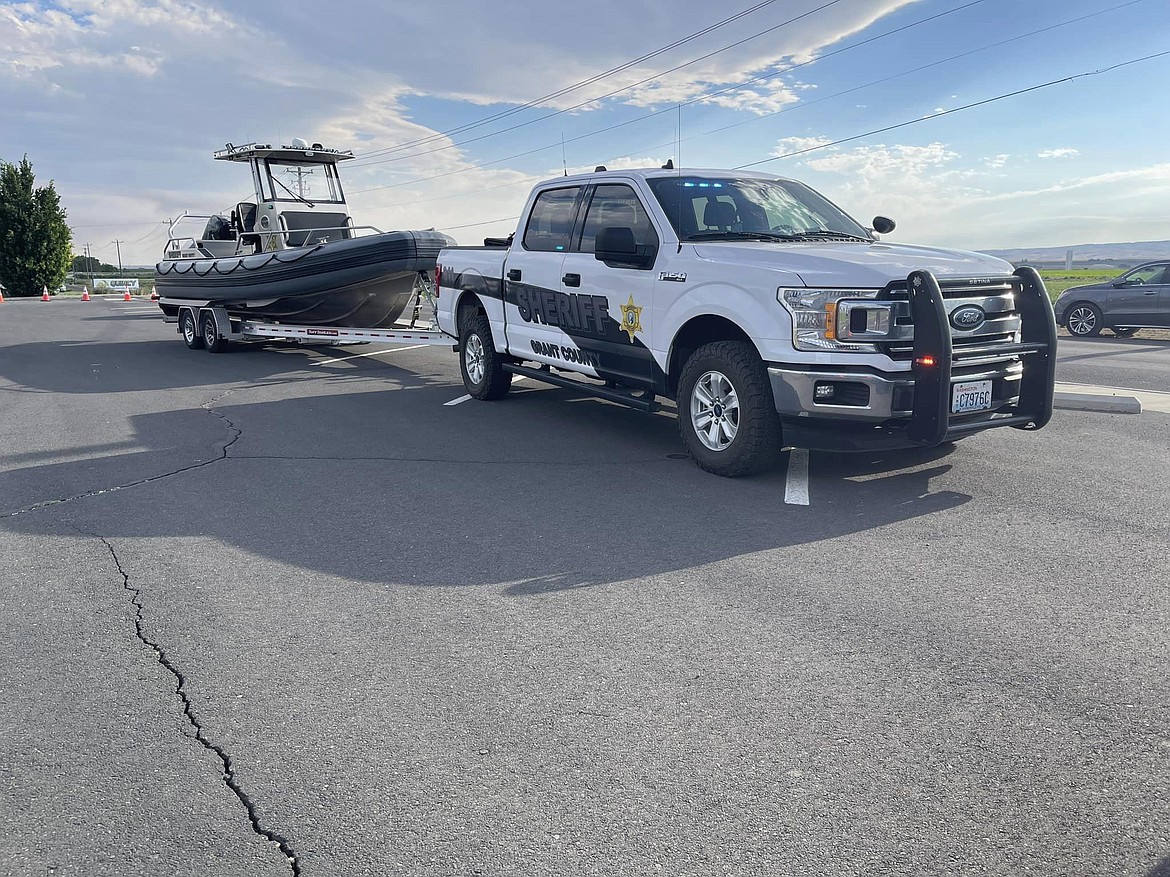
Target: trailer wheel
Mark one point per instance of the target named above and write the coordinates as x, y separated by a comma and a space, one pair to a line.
482, 367
212, 340
189, 330
726, 414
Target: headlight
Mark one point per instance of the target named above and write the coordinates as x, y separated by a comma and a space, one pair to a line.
837, 319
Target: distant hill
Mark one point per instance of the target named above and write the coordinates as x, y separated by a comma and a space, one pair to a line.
1118, 254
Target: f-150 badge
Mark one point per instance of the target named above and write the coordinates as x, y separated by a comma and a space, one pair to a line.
673, 276
631, 318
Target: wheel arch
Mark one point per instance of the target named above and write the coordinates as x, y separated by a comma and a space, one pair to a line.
693, 334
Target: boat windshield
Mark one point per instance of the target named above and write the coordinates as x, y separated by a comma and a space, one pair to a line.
713, 209
303, 181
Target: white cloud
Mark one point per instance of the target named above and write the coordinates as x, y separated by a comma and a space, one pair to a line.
1062, 152
791, 145
79, 34
938, 199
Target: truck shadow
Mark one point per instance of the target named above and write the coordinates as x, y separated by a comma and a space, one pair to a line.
540, 492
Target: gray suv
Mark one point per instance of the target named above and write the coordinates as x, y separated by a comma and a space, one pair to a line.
1138, 299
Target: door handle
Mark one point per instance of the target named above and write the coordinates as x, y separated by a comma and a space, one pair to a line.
571, 280
514, 274
1151, 292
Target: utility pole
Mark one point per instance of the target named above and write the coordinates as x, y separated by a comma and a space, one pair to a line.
118, 244
89, 265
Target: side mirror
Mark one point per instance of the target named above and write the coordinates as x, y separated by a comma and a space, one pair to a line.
616, 247
883, 224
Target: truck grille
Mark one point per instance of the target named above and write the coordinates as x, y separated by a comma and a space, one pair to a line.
994, 296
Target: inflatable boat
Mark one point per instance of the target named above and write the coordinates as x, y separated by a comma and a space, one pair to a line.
293, 255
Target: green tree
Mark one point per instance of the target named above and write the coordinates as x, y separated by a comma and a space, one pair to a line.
90, 265
35, 243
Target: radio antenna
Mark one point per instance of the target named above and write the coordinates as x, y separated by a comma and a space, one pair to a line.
678, 155
564, 161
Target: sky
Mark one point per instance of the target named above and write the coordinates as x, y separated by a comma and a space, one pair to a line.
936, 113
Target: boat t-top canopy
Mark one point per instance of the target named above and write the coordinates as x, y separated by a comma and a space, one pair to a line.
298, 150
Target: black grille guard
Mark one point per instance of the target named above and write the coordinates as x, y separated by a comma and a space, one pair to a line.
931, 422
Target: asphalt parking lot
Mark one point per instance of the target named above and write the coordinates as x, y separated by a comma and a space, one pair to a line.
288, 611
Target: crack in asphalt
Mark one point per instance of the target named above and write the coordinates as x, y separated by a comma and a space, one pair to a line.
226, 770
236, 435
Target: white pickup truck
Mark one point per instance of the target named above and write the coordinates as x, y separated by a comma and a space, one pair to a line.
769, 315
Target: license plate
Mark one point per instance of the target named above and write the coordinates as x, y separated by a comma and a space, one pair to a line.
971, 396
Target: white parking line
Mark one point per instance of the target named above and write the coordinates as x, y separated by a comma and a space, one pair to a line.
515, 379
796, 487
371, 353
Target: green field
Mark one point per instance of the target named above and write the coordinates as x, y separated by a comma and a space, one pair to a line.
1057, 280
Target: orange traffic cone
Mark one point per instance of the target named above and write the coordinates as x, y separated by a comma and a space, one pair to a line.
126, 296
85, 293
154, 295
1, 297
44, 293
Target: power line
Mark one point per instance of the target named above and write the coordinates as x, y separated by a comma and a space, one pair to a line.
1021, 91
700, 99
951, 112
894, 76
618, 91
580, 84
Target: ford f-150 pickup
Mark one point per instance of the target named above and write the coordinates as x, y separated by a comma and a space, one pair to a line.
769, 315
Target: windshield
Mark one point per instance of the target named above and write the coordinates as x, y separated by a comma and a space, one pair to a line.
702, 208
309, 182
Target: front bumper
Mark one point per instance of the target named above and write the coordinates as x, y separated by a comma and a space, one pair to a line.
869, 409
876, 398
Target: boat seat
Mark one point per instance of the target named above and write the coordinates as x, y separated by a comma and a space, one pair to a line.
245, 214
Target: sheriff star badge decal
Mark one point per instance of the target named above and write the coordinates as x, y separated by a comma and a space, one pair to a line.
631, 318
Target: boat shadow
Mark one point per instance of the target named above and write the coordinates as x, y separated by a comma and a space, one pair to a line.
144, 366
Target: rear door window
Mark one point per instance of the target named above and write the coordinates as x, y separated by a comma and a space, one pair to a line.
550, 224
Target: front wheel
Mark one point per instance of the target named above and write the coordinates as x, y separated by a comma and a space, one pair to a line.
1084, 320
726, 414
482, 367
190, 331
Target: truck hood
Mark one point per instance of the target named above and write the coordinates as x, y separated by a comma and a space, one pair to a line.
853, 264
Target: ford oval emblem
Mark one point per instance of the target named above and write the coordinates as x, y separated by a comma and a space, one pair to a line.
968, 318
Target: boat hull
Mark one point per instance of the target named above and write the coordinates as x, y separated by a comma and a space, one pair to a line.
364, 282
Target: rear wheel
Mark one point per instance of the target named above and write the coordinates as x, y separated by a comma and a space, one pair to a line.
482, 367
212, 340
189, 330
1084, 320
726, 414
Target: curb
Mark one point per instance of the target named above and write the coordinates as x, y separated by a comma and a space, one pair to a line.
1097, 402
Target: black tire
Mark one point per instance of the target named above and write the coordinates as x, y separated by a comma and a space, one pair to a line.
744, 437
481, 366
1124, 331
1083, 320
189, 329
212, 340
